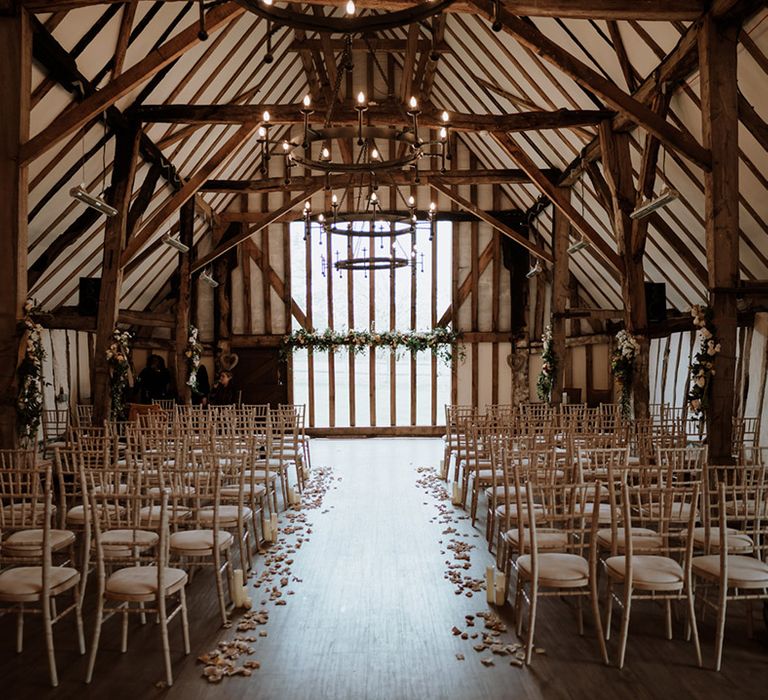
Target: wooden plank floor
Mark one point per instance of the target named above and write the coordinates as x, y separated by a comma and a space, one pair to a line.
372, 618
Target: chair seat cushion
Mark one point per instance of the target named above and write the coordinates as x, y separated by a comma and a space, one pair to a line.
643, 539
29, 543
737, 541
557, 570
150, 515
140, 582
649, 572
552, 540
199, 542
116, 543
76, 514
254, 490
25, 583
227, 515
743, 571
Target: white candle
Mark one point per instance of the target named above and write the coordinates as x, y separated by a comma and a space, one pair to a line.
237, 587
490, 595
500, 588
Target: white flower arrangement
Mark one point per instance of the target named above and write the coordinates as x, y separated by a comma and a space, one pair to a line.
29, 400
193, 353
546, 378
702, 368
118, 359
623, 360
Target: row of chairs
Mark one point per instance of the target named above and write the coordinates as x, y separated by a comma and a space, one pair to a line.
142, 505
634, 504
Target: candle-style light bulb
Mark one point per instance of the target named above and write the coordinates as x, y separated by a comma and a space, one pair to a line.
286, 146
443, 133
444, 116
350, 8
375, 154
307, 207
320, 218
262, 132
265, 116
307, 100
412, 103
374, 197
361, 98
411, 201
334, 200
326, 153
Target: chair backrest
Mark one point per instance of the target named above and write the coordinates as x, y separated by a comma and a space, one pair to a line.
83, 415
680, 465
55, 423
23, 489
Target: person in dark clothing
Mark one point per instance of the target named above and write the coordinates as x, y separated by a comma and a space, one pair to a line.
223, 392
202, 387
154, 381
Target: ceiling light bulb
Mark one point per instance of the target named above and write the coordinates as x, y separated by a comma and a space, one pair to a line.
361, 98
320, 218
443, 133
262, 132
286, 145
412, 103
411, 201
334, 200
374, 197
432, 206
326, 153
350, 7
306, 207
375, 154
307, 100
444, 116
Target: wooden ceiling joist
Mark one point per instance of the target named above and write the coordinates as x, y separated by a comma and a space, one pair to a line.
555, 194
535, 40
247, 231
379, 114
500, 176
660, 10
500, 226
75, 117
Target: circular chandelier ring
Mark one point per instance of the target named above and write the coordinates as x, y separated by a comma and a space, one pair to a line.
406, 225
374, 263
347, 25
336, 133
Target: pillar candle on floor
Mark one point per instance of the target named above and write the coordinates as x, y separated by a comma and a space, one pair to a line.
490, 590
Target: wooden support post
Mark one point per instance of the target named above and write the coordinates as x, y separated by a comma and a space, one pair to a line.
618, 175
222, 310
115, 233
720, 129
15, 77
186, 231
560, 292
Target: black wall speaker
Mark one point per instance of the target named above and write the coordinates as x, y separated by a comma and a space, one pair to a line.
656, 301
88, 299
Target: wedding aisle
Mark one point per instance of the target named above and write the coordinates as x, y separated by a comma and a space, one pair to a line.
375, 591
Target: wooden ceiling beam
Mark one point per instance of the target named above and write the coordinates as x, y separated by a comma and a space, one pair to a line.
74, 118
659, 10
187, 190
481, 214
500, 176
559, 200
536, 41
124, 36
263, 221
380, 114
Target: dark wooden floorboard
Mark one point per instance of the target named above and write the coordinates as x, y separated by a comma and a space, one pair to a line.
372, 619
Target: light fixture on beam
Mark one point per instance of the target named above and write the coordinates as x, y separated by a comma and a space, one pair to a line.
174, 242
578, 245
82, 195
666, 196
206, 277
535, 270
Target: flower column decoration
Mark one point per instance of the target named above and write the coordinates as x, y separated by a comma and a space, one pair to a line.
119, 363
29, 401
546, 379
703, 365
193, 353
623, 360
